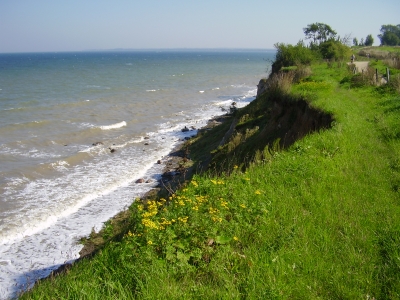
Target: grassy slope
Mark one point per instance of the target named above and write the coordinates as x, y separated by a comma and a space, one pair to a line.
316, 221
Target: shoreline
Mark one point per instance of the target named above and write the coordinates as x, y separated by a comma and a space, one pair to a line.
178, 169
177, 172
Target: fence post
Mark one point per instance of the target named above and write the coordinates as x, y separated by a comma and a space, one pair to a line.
387, 74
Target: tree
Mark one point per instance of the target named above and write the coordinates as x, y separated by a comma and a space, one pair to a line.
319, 32
390, 39
390, 35
355, 42
369, 40
361, 42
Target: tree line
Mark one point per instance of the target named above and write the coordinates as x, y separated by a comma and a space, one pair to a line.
389, 36
324, 43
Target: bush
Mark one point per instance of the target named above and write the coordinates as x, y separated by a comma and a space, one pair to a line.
289, 55
334, 50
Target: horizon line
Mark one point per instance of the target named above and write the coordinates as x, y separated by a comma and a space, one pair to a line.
142, 49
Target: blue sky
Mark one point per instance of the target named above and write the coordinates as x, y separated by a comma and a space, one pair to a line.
72, 25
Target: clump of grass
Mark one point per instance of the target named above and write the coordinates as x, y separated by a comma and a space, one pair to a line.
302, 72
366, 78
393, 62
394, 83
280, 83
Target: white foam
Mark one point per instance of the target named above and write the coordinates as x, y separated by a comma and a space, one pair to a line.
113, 126
151, 90
201, 92
60, 165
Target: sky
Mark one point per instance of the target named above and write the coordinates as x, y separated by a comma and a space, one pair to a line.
81, 25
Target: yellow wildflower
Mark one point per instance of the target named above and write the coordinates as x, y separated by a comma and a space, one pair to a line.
257, 192
235, 238
217, 219
212, 210
149, 223
149, 243
224, 203
183, 219
195, 183
242, 206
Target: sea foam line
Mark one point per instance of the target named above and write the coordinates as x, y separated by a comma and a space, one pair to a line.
113, 126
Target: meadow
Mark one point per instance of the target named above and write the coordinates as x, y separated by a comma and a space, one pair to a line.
308, 215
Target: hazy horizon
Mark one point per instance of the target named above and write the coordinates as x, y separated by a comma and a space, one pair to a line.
53, 26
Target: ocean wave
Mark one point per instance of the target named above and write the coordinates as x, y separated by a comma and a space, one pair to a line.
113, 126
60, 165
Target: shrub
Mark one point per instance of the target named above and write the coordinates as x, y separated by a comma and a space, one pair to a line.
334, 50
289, 55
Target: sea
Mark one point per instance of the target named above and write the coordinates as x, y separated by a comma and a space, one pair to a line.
60, 116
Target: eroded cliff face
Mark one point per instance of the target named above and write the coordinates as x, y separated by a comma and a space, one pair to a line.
269, 121
292, 120
261, 87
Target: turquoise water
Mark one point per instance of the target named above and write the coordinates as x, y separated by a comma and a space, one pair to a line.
55, 185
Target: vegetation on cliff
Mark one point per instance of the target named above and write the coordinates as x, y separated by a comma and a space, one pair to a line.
300, 200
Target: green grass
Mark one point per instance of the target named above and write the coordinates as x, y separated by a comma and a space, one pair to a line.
316, 220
